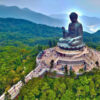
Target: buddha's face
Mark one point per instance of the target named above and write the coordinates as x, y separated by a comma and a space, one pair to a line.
73, 17
73, 20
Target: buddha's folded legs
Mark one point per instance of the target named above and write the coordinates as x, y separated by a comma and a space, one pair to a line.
75, 41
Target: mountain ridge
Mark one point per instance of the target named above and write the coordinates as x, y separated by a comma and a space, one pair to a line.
31, 33
16, 12
90, 24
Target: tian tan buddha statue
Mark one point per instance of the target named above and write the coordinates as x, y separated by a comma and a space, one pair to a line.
73, 39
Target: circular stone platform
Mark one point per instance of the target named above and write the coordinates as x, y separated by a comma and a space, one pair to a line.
69, 52
75, 60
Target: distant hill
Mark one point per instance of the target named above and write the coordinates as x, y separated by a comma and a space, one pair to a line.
31, 33
91, 24
26, 27
26, 32
15, 12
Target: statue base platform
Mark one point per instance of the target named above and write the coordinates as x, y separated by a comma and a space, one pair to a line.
76, 60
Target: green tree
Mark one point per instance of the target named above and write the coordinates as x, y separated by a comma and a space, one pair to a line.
92, 89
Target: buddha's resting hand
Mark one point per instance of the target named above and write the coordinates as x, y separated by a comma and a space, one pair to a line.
75, 41
65, 33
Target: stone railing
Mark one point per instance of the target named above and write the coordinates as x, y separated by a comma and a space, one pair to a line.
2, 97
15, 89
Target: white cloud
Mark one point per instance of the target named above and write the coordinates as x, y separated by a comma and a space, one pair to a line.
93, 28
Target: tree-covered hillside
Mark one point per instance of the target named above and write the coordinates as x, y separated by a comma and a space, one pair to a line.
85, 87
17, 31
21, 41
15, 63
28, 28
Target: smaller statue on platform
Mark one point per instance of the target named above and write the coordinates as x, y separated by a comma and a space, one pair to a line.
73, 39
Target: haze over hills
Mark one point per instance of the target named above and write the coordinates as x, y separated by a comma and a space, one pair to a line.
15, 12
91, 24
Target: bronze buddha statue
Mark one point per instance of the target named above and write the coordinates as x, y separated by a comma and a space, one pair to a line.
73, 39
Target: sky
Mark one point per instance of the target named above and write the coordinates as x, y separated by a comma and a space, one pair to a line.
49, 7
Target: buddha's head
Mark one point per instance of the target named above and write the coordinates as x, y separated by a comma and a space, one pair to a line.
73, 17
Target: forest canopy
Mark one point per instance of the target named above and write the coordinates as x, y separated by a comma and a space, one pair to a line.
21, 41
